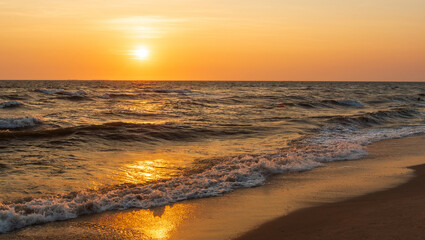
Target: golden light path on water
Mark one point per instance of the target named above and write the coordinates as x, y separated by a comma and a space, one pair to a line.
221, 218
159, 223
148, 171
151, 165
142, 106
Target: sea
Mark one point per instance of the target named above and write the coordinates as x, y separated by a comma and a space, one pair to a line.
72, 148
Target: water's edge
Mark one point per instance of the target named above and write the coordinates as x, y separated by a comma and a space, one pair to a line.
232, 214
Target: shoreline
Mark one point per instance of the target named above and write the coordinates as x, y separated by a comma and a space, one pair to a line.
397, 213
234, 214
394, 213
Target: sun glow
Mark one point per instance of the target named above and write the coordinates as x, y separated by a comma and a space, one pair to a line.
141, 53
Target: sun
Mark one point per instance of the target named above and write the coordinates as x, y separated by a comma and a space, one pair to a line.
141, 53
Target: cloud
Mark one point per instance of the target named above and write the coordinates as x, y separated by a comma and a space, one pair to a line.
145, 26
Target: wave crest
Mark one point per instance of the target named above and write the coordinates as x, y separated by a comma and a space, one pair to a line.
127, 131
79, 93
375, 118
14, 123
10, 104
227, 175
350, 102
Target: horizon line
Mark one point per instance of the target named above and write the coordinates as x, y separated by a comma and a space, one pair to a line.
211, 80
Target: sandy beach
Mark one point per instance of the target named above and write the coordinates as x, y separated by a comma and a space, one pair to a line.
319, 204
397, 213
212, 120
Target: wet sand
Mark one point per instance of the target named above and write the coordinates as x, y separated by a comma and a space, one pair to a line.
397, 213
234, 214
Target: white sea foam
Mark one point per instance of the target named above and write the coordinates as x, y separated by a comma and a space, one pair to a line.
10, 104
60, 91
230, 174
77, 93
350, 102
12, 123
105, 96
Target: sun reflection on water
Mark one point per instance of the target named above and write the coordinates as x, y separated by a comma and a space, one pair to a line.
142, 106
144, 171
157, 223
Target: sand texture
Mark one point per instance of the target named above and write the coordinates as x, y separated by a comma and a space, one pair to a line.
397, 213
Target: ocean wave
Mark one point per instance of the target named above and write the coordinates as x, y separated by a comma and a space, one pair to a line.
10, 104
128, 131
13, 96
328, 103
14, 123
344, 102
104, 96
79, 93
375, 118
305, 104
128, 112
121, 95
181, 91
350, 102
84, 130
227, 175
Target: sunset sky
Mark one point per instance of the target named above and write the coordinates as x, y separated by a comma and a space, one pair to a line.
358, 40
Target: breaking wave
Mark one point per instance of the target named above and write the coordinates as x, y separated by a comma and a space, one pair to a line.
14, 123
232, 173
10, 104
76, 94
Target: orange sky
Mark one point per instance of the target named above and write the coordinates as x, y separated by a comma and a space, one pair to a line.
362, 40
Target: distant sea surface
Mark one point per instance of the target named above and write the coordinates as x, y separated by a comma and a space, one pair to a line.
69, 148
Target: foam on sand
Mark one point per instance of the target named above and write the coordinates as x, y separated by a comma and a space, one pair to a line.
225, 176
